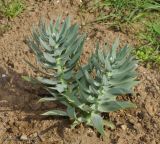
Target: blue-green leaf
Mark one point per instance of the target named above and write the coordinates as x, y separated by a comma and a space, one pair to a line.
46, 81
47, 99
52, 42
44, 45
49, 57
115, 106
114, 48
55, 113
97, 122
71, 112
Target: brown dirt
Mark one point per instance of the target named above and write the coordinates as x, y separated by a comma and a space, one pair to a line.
19, 111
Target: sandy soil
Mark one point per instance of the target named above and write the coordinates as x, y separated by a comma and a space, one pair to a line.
20, 121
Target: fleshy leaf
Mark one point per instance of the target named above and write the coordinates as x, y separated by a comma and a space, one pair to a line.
71, 112
55, 113
115, 106
97, 122
47, 99
46, 81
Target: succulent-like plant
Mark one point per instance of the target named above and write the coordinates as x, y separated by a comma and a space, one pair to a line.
86, 91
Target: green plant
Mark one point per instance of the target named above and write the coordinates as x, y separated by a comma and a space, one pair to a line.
152, 35
12, 8
150, 50
88, 90
147, 54
117, 12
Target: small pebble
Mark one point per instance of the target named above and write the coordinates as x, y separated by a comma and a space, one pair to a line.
23, 137
124, 127
4, 75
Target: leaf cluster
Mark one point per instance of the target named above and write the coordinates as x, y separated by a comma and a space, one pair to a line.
11, 8
86, 90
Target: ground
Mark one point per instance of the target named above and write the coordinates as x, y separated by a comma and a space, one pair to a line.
20, 121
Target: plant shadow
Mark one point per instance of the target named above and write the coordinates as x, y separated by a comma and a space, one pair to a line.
18, 95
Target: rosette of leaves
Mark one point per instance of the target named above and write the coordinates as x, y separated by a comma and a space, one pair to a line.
86, 91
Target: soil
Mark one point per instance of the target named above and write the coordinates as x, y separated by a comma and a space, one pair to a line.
20, 120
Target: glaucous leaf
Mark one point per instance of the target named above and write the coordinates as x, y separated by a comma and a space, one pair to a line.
55, 113
115, 106
97, 123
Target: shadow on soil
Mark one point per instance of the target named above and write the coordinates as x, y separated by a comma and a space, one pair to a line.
18, 95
